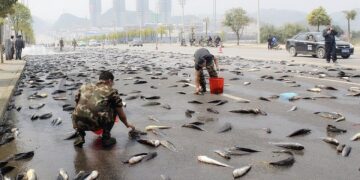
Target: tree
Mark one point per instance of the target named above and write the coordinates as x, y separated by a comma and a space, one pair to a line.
21, 18
236, 19
268, 30
318, 17
161, 30
350, 16
290, 30
6, 8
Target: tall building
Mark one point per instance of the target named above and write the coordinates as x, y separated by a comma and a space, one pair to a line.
142, 8
164, 11
119, 12
95, 12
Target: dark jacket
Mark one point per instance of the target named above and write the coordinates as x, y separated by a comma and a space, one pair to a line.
19, 43
329, 38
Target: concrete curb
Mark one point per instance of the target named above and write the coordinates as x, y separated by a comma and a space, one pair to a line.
8, 93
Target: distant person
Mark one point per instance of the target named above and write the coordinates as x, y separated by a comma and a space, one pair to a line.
19, 45
269, 40
97, 105
330, 44
217, 41
203, 58
74, 44
61, 44
9, 48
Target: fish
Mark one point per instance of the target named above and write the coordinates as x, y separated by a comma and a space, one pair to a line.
314, 90
223, 154
221, 102
184, 81
206, 119
267, 130
149, 156
151, 104
166, 106
172, 86
153, 143
56, 122
243, 101
198, 123
240, 172
150, 97
289, 145
226, 127
183, 93
62, 175
168, 145
250, 111
59, 91
93, 175
131, 98
193, 127
212, 110
140, 82
264, 99
246, 83
151, 127
326, 87
59, 98
208, 160
81, 175
22, 156
330, 140
294, 108
248, 150
69, 108
188, 113
195, 102
299, 132
334, 129
340, 148
45, 116
346, 151
153, 87
329, 115
285, 162
355, 137
215, 101
152, 118
39, 106
6, 138
135, 134
6, 169
34, 117
234, 79
72, 135
135, 158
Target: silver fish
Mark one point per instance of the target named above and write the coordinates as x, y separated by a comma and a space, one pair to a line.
330, 140
340, 148
31, 175
151, 104
152, 118
294, 108
208, 160
346, 151
62, 175
355, 137
168, 145
237, 173
289, 145
151, 127
136, 158
223, 154
226, 127
153, 143
93, 175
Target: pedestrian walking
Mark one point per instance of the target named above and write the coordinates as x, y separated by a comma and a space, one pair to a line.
203, 58
269, 41
61, 44
330, 44
96, 108
74, 44
19, 45
9, 48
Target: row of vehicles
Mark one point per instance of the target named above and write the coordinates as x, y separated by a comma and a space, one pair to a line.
313, 43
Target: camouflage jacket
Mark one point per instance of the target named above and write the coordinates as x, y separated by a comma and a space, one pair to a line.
96, 105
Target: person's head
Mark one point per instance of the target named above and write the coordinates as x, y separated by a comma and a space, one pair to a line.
12, 37
107, 77
329, 26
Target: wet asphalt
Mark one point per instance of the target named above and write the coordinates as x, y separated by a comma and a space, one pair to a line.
319, 160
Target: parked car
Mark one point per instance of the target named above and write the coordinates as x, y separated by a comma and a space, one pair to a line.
136, 42
93, 42
313, 43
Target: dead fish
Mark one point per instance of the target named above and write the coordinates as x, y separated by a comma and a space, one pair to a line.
264, 99
62, 175
195, 102
340, 148
135, 158
61, 98
354, 89
131, 98
168, 145
22, 156
135, 134
81, 175
93, 175
34, 117
289, 145
215, 101
153, 87
183, 93
193, 127
329, 115
342, 118
248, 150
152, 118
189, 113
184, 81
346, 151
247, 83
140, 82
150, 97
314, 90
326, 87
267, 130
221, 102
30, 175
330, 140
208, 160
334, 129
355, 137
56, 122
240, 172
243, 101
198, 123
166, 106
73, 135
250, 111
206, 119
354, 94
69, 108
185, 85
59, 91
151, 127
286, 162
153, 143
299, 132
294, 108
212, 110
45, 116
172, 86
149, 156
223, 154
234, 79
39, 106
151, 104
6, 169
226, 127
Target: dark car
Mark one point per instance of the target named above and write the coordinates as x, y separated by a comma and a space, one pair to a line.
313, 43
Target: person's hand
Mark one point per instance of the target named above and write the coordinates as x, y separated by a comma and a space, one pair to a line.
130, 126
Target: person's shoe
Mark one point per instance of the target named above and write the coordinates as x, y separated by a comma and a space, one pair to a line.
79, 142
108, 142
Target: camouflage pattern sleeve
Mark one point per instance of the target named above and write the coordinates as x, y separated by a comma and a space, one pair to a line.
77, 96
115, 100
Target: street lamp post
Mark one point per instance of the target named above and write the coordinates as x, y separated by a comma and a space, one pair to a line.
258, 22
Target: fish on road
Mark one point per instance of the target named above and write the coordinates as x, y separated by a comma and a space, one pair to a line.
207, 160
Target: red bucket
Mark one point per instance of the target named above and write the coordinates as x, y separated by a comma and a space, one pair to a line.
100, 131
216, 85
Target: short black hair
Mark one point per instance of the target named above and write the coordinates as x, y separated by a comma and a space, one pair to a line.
106, 75
12, 37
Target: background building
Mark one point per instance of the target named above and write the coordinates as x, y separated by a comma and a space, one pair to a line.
95, 12
119, 12
142, 8
165, 11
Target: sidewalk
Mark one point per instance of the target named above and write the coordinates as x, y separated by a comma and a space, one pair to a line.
10, 72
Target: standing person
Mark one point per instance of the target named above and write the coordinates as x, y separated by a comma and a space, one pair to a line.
19, 45
269, 40
10, 48
203, 58
74, 43
96, 108
330, 44
61, 44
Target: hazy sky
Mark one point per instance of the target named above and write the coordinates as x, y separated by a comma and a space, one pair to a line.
52, 9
